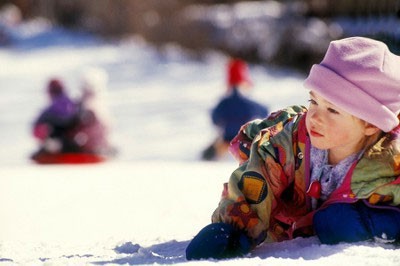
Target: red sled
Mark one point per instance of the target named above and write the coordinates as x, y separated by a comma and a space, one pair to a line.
67, 158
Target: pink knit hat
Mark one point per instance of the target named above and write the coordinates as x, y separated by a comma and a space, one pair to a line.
362, 77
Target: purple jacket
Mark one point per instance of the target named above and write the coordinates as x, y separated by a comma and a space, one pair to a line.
60, 112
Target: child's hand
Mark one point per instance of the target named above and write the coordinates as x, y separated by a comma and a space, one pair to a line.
41, 131
218, 241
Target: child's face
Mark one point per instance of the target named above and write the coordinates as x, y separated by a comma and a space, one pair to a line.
331, 128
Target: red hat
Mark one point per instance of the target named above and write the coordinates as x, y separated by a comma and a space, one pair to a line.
238, 73
55, 87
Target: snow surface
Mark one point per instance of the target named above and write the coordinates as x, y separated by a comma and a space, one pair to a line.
144, 206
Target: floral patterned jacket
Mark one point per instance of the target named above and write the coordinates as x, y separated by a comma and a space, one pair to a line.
267, 194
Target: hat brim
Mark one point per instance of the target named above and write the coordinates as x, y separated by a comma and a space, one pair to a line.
354, 100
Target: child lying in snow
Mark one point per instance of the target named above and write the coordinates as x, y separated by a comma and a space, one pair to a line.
332, 170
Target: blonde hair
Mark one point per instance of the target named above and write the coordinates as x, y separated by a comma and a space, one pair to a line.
369, 140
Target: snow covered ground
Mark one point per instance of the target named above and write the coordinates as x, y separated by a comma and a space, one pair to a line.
144, 206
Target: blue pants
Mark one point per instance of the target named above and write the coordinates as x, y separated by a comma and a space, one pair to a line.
343, 222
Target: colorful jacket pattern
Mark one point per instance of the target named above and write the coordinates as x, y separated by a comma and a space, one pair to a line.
267, 194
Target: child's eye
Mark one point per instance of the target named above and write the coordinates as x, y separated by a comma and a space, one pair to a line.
333, 111
311, 101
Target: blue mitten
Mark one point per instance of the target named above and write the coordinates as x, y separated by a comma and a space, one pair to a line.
218, 241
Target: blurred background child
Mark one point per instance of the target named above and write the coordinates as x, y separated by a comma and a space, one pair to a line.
92, 130
51, 126
233, 110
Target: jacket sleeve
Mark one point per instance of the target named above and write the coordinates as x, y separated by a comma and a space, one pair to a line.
249, 198
240, 145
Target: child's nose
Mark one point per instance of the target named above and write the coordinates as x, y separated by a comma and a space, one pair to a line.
315, 116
